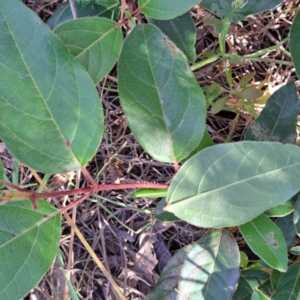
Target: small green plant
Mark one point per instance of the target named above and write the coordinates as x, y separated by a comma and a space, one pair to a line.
51, 119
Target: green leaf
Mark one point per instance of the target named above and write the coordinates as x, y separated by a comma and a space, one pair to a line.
205, 142
280, 210
238, 10
218, 105
165, 9
211, 269
95, 42
275, 276
296, 216
295, 250
287, 228
230, 184
289, 284
258, 295
63, 13
56, 123
162, 215
295, 42
277, 122
244, 259
251, 93
181, 31
248, 282
148, 193
162, 101
27, 248
1, 174
168, 280
266, 240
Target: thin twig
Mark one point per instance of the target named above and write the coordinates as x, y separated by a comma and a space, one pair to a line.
73, 9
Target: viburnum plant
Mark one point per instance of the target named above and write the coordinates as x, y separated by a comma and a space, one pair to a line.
51, 119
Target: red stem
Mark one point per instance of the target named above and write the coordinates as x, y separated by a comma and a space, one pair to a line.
103, 187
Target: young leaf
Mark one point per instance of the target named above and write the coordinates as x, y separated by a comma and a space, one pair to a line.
244, 259
248, 282
238, 10
280, 210
1, 174
162, 101
294, 43
63, 13
181, 31
277, 122
165, 9
287, 228
168, 280
27, 248
211, 269
53, 122
295, 250
230, 184
148, 193
266, 240
95, 42
289, 284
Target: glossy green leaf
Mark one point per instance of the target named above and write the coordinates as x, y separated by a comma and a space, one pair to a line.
148, 193
53, 122
162, 101
277, 122
238, 10
162, 215
181, 30
280, 210
295, 250
165, 9
211, 269
230, 184
287, 228
27, 248
258, 295
289, 284
275, 276
1, 174
63, 13
168, 280
248, 282
266, 240
95, 42
295, 43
